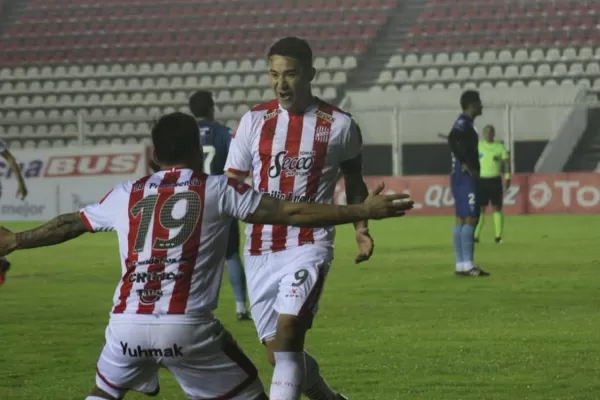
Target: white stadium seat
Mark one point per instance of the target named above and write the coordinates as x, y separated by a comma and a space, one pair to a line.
442, 59
521, 56
350, 63
457, 58
505, 56
474, 57
426, 60
489, 57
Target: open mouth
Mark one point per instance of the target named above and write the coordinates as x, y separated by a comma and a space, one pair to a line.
285, 96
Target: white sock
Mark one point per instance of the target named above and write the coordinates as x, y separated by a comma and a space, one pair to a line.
94, 398
467, 266
315, 387
240, 307
288, 376
462, 267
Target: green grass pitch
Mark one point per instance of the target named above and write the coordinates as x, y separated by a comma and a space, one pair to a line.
400, 326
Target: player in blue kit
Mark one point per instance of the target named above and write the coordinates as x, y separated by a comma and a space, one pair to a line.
215, 139
463, 141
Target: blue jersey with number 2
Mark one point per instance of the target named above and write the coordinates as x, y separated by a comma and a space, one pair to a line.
463, 140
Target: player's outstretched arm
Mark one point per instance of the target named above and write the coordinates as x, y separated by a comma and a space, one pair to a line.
14, 165
58, 230
272, 211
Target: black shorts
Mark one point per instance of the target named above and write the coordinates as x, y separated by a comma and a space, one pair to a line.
490, 191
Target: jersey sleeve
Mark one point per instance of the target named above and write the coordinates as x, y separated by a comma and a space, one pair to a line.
239, 159
237, 199
353, 143
101, 216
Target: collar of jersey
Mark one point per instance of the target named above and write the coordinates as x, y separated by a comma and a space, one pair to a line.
307, 109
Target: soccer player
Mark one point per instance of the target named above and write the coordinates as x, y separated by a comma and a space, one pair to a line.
21, 193
492, 157
172, 228
463, 141
295, 145
215, 139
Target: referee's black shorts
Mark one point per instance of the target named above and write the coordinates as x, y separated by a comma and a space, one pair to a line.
490, 192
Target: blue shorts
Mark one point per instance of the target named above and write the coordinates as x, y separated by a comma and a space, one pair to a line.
233, 242
464, 191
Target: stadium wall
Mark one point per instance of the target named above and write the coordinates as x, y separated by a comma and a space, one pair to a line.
407, 123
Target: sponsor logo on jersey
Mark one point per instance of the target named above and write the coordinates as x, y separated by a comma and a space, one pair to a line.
292, 166
149, 296
138, 352
189, 182
144, 277
325, 116
322, 134
291, 196
271, 115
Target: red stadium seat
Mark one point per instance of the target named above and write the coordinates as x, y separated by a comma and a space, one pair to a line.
501, 20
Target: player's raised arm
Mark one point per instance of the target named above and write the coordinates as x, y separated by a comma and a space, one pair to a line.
239, 159
14, 166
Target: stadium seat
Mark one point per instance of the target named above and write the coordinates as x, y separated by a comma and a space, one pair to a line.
120, 62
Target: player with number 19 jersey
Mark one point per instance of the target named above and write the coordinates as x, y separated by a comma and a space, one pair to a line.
170, 261
172, 228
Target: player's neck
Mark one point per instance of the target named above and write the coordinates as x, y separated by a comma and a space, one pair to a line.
469, 114
303, 104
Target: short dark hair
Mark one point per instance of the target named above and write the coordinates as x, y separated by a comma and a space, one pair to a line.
468, 98
293, 47
201, 103
176, 138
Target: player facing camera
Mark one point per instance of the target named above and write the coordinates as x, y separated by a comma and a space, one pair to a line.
176, 142
291, 72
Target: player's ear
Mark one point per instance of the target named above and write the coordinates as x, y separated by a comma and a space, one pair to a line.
312, 73
154, 157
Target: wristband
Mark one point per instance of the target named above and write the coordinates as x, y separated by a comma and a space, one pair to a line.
507, 176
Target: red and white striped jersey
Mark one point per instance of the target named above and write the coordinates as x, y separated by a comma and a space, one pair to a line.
172, 228
293, 157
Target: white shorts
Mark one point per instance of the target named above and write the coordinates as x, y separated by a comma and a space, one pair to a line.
286, 282
204, 359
